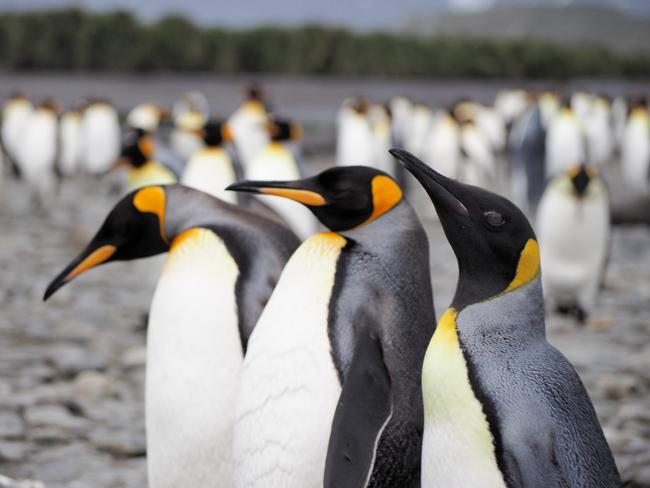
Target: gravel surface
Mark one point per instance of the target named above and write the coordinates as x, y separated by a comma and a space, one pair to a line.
72, 370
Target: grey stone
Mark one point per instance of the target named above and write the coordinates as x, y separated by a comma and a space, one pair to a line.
54, 416
11, 425
13, 451
120, 443
92, 384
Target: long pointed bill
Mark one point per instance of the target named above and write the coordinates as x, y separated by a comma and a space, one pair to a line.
85, 261
286, 189
437, 186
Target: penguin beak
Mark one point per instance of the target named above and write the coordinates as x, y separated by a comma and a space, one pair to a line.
91, 257
293, 190
439, 187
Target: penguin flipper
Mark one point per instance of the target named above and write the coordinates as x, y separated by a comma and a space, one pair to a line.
362, 413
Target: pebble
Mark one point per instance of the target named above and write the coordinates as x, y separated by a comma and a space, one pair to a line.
11, 425
9, 483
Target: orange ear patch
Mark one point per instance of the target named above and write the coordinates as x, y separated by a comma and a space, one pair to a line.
305, 197
385, 195
98, 256
152, 200
146, 147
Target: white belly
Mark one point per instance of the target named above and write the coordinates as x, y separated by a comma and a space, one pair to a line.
211, 171
573, 239
289, 385
193, 366
564, 145
100, 138
457, 446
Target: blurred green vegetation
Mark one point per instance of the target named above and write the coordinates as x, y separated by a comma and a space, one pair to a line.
75, 40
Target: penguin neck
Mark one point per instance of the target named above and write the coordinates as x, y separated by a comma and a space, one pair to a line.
400, 218
517, 314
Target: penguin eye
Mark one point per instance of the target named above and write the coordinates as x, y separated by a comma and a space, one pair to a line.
495, 219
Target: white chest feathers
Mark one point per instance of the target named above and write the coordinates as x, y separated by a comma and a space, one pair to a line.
210, 170
457, 447
193, 365
289, 385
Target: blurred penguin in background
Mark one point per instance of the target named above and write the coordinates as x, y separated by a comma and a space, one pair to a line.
549, 104
510, 104
619, 119
37, 150
490, 122
564, 141
249, 125
355, 143
70, 140
401, 110
380, 120
101, 136
146, 116
478, 166
599, 131
442, 144
189, 114
212, 168
280, 160
574, 231
15, 113
138, 156
635, 148
420, 125
528, 146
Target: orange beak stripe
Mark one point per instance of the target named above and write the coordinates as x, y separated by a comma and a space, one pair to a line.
98, 256
305, 197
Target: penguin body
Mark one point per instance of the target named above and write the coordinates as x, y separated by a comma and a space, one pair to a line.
635, 151
248, 125
379, 118
184, 138
355, 141
221, 268
37, 152
564, 142
574, 234
345, 344
528, 144
599, 132
70, 143
442, 145
101, 137
211, 170
401, 110
419, 127
145, 116
502, 407
479, 166
492, 125
15, 113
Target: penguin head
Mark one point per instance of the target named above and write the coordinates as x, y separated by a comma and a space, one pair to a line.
493, 241
284, 131
581, 176
137, 149
215, 133
135, 228
341, 198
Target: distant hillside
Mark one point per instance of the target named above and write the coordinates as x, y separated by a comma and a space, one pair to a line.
605, 26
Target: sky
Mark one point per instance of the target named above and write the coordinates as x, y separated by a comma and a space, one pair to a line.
358, 14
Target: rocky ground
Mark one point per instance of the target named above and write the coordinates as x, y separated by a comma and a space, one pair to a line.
72, 370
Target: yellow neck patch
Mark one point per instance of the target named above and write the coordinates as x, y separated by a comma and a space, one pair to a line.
385, 195
528, 266
152, 200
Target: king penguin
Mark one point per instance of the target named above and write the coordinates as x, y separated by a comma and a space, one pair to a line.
211, 169
143, 170
37, 151
280, 160
348, 322
222, 265
100, 128
442, 143
15, 113
249, 125
565, 144
574, 234
355, 141
635, 148
502, 407
70, 152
